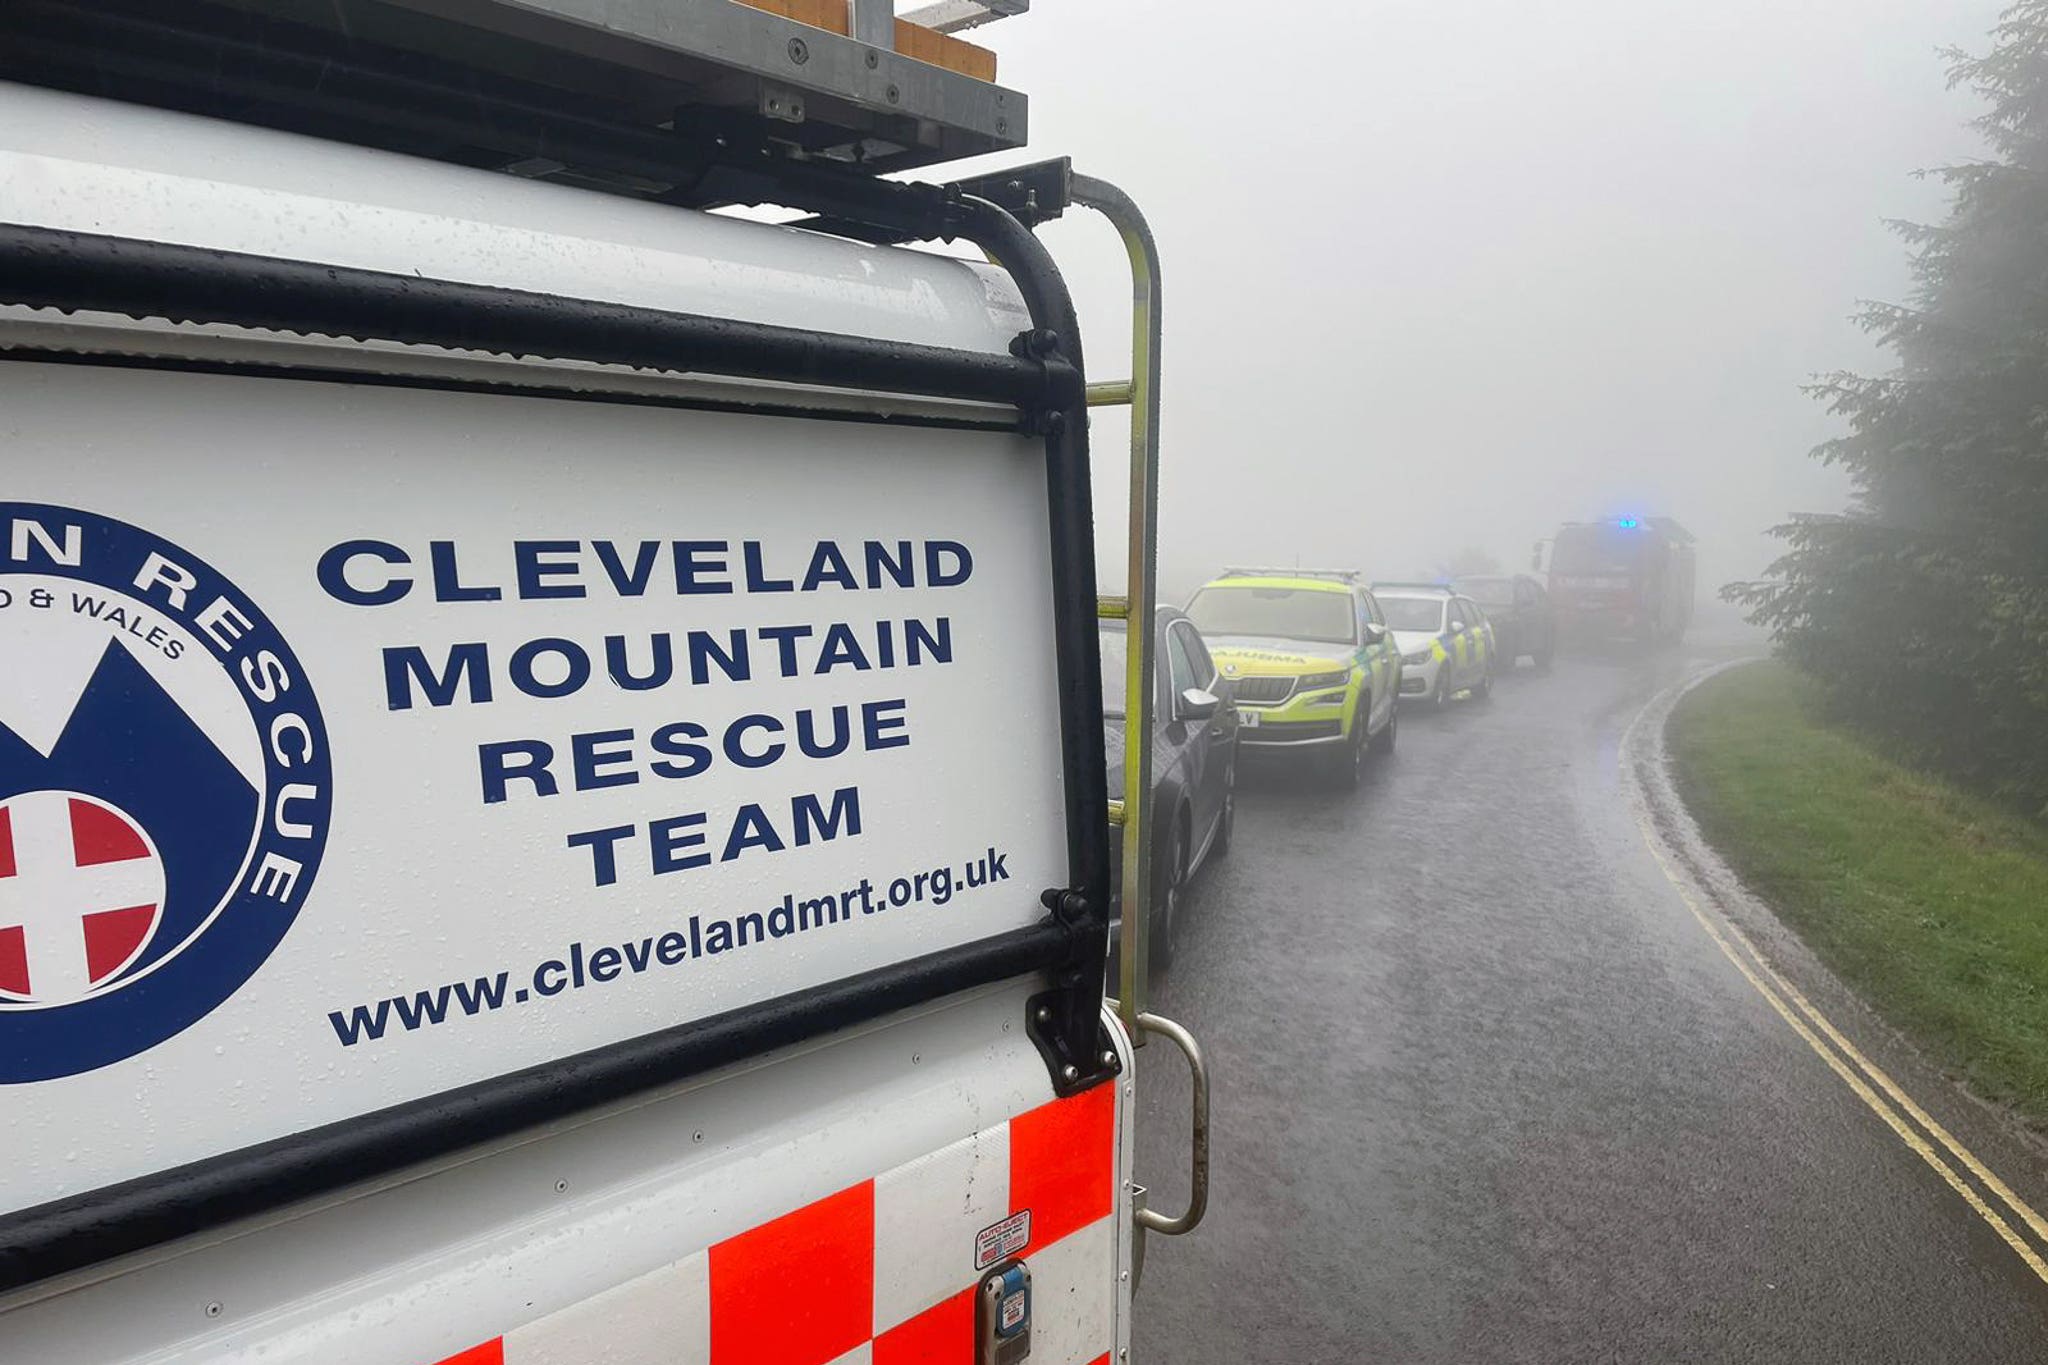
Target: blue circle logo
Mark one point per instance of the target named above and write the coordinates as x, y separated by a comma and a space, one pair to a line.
165, 790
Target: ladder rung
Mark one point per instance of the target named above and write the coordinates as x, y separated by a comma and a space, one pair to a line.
1114, 394
1113, 608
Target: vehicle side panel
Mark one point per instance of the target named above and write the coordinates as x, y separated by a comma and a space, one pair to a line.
835, 1191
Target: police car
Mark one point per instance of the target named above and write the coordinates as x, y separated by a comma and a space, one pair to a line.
1447, 644
1310, 661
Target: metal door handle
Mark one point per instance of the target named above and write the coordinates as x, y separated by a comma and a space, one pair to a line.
1198, 1178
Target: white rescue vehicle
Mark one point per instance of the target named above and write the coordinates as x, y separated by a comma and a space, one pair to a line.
551, 792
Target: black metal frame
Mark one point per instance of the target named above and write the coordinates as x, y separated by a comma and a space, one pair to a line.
89, 1228
1042, 378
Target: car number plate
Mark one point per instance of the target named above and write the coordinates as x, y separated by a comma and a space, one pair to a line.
1248, 719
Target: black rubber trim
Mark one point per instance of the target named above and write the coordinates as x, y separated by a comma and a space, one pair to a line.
69, 1234
996, 421
80, 271
1075, 1005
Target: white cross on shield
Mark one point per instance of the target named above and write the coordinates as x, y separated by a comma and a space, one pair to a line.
81, 893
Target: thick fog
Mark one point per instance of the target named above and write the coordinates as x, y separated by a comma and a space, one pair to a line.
1441, 276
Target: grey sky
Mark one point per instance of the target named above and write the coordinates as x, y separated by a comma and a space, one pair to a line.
1445, 274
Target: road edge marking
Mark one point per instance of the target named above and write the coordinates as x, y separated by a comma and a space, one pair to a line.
1777, 991
1898, 1094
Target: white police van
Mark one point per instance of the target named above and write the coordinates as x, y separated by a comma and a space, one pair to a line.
503, 851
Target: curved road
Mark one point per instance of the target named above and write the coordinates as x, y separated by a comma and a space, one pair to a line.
1487, 1091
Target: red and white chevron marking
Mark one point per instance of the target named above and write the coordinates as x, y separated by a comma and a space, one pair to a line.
881, 1273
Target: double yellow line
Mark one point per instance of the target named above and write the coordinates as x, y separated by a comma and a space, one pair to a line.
1934, 1144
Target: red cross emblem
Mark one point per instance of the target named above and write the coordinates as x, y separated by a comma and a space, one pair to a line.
81, 891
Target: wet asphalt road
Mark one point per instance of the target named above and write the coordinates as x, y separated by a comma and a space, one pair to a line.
1486, 1091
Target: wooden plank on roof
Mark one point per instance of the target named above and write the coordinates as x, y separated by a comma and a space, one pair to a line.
912, 40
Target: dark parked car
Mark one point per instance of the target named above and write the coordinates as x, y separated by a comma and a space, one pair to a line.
1524, 623
1194, 762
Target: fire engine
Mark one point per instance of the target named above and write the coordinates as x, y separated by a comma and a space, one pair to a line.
1625, 579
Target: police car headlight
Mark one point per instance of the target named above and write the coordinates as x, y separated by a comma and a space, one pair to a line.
1417, 659
1314, 680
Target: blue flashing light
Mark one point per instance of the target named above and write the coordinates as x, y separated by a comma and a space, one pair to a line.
1627, 523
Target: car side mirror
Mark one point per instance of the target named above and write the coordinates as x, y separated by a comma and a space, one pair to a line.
1456, 625
1374, 633
1196, 705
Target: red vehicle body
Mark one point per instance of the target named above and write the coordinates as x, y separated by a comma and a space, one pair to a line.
1626, 579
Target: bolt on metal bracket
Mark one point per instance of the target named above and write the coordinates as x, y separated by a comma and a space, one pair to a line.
1076, 1058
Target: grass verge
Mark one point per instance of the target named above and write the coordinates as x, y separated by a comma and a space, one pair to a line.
1932, 903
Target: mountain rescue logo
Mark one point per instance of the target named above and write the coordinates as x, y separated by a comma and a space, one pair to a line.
164, 790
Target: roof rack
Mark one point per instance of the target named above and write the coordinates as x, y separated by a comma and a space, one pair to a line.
695, 102
1288, 571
